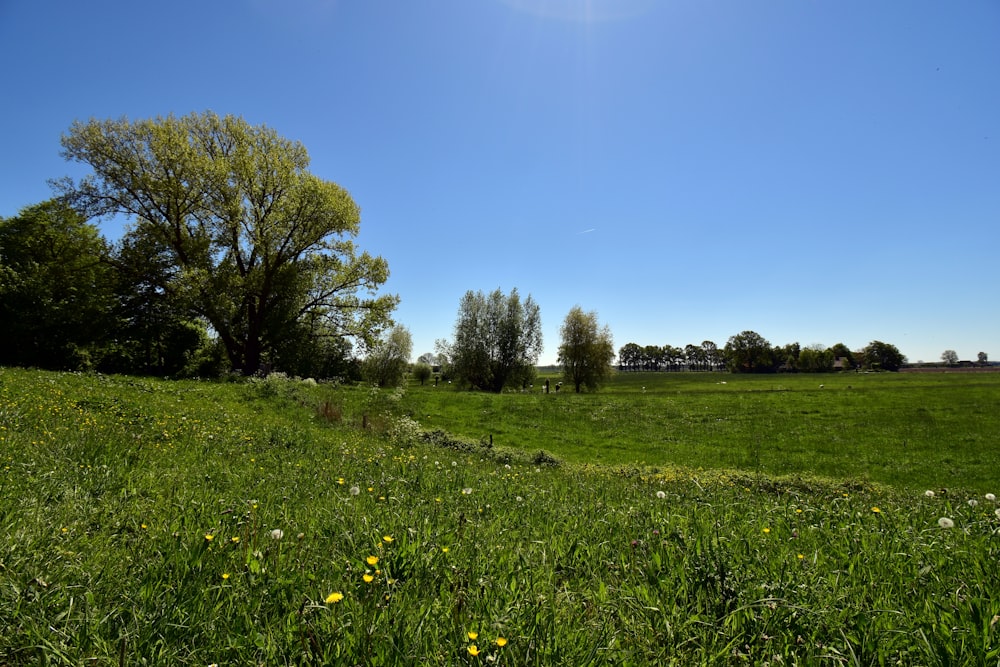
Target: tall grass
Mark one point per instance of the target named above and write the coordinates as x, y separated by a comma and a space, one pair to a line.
152, 522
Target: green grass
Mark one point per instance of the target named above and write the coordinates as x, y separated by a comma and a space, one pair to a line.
913, 430
110, 488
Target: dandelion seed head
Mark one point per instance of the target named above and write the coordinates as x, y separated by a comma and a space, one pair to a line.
990, 497
973, 502
929, 493
277, 534
945, 522
661, 494
466, 491
355, 490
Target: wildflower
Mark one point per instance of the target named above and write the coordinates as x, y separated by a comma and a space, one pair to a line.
876, 510
372, 560
990, 497
945, 522
454, 463
277, 534
973, 502
368, 578
341, 481
444, 550
234, 540
519, 499
661, 495
473, 650
225, 575
209, 537
466, 491
766, 530
473, 635
388, 539
334, 597
801, 556
929, 493
501, 642
143, 526
997, 512
355, 490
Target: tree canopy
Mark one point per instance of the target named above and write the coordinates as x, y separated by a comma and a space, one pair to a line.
587, 350
257, 245
497, 340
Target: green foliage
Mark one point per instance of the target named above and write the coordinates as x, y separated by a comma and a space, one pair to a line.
254, 243
388, 359
497, 341
587, 350
190, 523
56, 289
422, 372
882, 356
749, 352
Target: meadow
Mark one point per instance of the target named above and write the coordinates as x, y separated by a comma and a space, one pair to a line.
195, 523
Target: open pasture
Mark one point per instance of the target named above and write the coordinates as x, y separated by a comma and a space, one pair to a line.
184, 523
908, 430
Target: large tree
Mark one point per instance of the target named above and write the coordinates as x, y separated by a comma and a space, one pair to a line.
259, 244
884, 356
587, 350
56, 289
497, 340
749, 352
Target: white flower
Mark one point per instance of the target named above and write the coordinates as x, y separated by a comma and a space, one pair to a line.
945, 522
454, 463
277, 534
661, 495
973, 502
466, 491
929, 493
520, 499
355, 490
990, 497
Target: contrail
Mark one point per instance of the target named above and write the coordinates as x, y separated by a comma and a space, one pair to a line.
587, 231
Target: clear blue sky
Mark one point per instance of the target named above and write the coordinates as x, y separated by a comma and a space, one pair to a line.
818, 172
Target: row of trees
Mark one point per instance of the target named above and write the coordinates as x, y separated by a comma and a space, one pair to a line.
749, 352
236, 256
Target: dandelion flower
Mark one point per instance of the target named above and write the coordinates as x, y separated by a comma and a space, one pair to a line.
929, 493
388, 539
368, 578
801, 556
990, 497
234, 540
372, 560
341, 481
444, 550
143, 526
334, 597
473, 650
355, 490
661, 495
209, 537
277, 534
501, 642
945, 522
225, 575
766, 530
876, 510
466, 491
473, 635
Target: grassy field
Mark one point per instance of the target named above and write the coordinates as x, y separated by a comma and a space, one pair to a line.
185, 523
910, 430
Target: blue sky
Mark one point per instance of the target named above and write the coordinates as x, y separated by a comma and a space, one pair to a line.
818, 172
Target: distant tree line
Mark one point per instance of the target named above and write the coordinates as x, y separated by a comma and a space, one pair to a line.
749, 352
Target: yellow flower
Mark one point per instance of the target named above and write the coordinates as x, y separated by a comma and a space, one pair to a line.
209, 537
368, 578
876, 510
387, 539
767, 530
372, 560
473, 635
444, 550
334, 598
234, 540
473, 650
341, 481
501, 642
225, 575
143, 526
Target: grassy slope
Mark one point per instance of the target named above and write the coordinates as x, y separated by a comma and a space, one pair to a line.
111, 487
